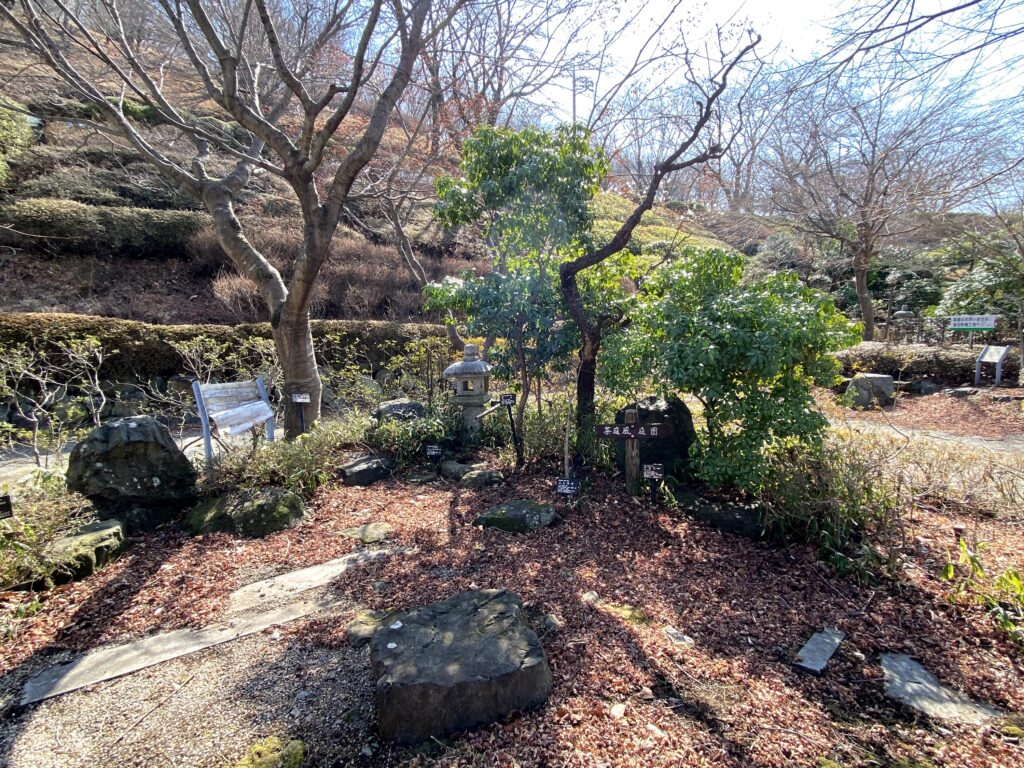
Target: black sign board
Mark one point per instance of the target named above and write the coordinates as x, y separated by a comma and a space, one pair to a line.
433, 451
634, 431
507, 400
6, 507
654, 471
568, 485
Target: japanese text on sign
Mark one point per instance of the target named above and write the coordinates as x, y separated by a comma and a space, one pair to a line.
568, 485
634, 431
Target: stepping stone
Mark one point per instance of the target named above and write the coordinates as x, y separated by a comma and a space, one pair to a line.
290, 584
370, 533
962, 392
421, 478
816, 652
678, 637
108, 663
907, 681
518, 516
481, 478
456, 664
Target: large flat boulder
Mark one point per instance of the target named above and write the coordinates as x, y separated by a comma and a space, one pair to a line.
254, 513
366, 470
131, 462
400, 409
456, 664
517, 516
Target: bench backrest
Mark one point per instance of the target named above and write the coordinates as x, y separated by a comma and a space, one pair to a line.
233, 407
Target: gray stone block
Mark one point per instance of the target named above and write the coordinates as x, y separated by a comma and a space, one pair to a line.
817, 651
366, 470
869, 389
907, 681
456, 664
517, 516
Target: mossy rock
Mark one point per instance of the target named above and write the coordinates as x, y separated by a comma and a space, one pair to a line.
629, 613
273, 752
91, 547
481, 478
252, 513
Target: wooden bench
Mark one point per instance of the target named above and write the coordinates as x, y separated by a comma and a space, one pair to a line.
229, 409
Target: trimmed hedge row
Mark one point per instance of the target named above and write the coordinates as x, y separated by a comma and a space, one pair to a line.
67, 227
952, 365
145, 351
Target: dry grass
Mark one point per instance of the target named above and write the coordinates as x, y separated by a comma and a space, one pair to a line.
941, 474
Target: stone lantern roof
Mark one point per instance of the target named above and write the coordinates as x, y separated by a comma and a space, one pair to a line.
471, 366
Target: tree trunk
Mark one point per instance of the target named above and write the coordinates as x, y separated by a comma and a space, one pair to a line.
586, 386
293, 339
867, 309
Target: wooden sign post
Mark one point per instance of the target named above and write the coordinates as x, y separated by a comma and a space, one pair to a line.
632, 461
632, 433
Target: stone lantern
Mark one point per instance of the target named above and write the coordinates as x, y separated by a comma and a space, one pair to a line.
905, 313
470, 380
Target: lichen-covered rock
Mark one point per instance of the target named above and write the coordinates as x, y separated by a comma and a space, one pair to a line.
867, 389
517, 516
366, 470
481, 478
370, 533
252, 513
132, 461
91, 547
456, 664
455, 470
359, 631
273, 752
401, 409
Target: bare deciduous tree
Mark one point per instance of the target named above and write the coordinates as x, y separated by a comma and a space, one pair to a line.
856, 160
311, 87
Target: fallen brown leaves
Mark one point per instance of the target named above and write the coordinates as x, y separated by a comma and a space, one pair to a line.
978, 416
731, 699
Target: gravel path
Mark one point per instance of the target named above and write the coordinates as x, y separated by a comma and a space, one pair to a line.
205, 709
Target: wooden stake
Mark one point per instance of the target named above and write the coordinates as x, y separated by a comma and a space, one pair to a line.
632, 462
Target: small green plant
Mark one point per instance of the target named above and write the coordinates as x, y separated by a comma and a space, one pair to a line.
830, 495
302, 465
1002, 597
407, 440
44, 511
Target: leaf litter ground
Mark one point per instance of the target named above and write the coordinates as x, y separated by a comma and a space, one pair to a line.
625, 692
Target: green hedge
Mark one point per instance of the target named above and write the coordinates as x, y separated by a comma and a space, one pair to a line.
145, 351
15, 135
67, 227
953, 365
